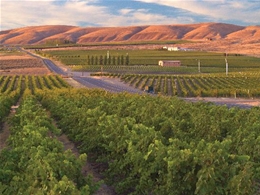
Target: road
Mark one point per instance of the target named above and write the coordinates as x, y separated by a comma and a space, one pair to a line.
109, 84
116, 86
84, 78
52, 67
229, 102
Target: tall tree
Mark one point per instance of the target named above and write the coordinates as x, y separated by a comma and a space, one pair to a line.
101, 60
127, 59
92, 60
88, 60
105, 60
114, 60
122, 60
118, 60
96, 60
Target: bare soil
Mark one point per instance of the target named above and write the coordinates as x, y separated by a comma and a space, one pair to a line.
5, 132
74, 83
229, 102
236, 46
22, 65
88, 168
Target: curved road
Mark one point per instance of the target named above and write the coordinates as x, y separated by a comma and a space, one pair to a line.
104, 83
112, 85
85, 79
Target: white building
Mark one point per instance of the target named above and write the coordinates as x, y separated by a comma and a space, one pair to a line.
172, 63
173, 48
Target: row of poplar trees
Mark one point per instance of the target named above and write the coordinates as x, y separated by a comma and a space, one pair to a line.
105, 60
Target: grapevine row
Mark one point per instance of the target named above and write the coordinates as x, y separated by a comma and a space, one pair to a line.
11, 83
161, 145
202, 86
34, 162
12, 88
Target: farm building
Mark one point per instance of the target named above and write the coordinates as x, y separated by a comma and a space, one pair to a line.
172, 48
169, 63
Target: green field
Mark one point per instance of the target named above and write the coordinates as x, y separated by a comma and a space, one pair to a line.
236, 85
138, 144
147, 60
10, 51
69, 44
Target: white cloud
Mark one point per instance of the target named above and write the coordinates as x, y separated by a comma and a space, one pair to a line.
75, 12
19, 13
125, 11
242, 10
29, 13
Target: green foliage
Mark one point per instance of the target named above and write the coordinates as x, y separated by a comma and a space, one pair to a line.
148, 144
209, 62
159, 145
215, 85
35, 162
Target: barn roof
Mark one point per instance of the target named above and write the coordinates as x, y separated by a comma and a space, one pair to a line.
170, 60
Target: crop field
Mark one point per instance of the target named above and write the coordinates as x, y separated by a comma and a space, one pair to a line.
213, 85
53, 44
147, 60
14, 62
143, 144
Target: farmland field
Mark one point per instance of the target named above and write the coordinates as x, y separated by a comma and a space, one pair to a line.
147, 60
139, 144
15, 62
143, 144
236, 85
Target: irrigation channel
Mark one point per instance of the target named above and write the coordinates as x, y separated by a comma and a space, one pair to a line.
116, 86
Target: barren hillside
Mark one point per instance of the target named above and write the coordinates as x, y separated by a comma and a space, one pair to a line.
211, 36
41, 34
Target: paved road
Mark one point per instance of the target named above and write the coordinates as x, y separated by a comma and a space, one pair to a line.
52, 67
105, 83
114, 85
85, 79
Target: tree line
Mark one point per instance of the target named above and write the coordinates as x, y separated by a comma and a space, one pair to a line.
108, 60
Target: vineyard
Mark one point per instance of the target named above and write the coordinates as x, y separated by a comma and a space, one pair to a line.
147, 60
21, 64
142, 144
236, 85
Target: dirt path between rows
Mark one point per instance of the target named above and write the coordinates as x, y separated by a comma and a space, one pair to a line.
87, 168
68, 145
229, 102
5, 132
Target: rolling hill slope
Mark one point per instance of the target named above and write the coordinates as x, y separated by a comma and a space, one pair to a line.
43, 34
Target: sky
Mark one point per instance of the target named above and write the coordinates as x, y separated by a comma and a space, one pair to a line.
108, 13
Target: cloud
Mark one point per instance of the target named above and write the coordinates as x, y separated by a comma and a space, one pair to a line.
76, 12
222, 10
27, 13
125, 11
19, 13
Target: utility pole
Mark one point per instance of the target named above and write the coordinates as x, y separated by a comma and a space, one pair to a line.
199, 66
107, 54
226, 65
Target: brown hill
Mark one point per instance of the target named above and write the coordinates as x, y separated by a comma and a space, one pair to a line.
250, 34
42, 34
